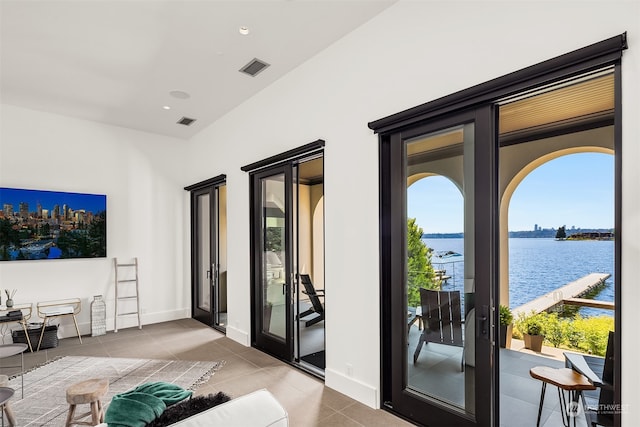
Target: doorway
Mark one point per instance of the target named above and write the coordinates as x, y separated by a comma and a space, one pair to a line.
557, 141
439, 354
432, 139
288, 261
209, 252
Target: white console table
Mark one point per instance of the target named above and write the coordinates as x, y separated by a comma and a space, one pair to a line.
66, 307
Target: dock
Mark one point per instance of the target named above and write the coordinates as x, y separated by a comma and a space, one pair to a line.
570, 293
441, 275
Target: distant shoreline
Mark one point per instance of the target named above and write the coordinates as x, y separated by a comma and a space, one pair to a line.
531, 234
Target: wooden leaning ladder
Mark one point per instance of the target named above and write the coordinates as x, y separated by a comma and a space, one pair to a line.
128, 295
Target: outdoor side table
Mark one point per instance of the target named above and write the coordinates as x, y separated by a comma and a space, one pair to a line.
8, 350
565, 379
6, 393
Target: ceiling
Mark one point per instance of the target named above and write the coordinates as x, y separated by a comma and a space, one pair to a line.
117, 61
587, 98
582, 101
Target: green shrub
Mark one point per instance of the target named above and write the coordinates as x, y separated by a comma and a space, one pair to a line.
584, 334
506, 317
553, 329
573, 334
596, 334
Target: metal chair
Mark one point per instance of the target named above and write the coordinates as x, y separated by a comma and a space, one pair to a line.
314, 297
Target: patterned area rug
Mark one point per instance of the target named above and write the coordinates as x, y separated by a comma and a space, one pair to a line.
45, 403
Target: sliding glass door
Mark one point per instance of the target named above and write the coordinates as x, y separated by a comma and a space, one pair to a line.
209, 253
481, 142
287, 238
273, 273
440, 351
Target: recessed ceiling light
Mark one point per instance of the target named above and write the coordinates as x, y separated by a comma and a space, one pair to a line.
244, 30
179, 94
166, 107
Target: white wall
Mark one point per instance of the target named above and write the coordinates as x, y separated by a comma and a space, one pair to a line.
414, 52
140, 174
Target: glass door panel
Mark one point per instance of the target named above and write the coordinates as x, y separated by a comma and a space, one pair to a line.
203, 280
272, 200
274, 261
440, 343
209, 255
438, 291
288, 249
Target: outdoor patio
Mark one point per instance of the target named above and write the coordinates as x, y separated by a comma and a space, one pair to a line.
438, 371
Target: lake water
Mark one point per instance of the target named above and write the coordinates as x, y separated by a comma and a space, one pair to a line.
538, 266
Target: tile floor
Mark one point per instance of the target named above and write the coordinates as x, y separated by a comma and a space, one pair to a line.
306, 399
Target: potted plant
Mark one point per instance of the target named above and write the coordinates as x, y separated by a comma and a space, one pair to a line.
532, 332
506, 326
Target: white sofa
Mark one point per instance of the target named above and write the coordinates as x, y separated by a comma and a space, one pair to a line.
256, 409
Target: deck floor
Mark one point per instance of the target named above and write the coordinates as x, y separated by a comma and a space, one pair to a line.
438, 372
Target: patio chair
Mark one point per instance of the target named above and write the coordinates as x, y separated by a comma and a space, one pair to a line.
441, 315
599, 404
314, 297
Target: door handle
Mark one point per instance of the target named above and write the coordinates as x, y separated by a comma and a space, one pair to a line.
482, 322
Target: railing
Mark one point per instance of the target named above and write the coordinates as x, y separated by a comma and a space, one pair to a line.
452, 274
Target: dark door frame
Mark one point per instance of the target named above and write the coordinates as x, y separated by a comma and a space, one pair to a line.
204, 187
607, 53
393, 265
271, 345
264, 168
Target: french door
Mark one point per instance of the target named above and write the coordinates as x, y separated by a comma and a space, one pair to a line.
456, 137
209, 254
443, 381
273, 260
287, 248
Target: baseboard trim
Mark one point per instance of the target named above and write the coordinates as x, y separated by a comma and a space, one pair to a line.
362, 392
67, 329
238, 335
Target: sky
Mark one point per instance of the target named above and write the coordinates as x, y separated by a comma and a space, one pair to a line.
48, 199
574, 190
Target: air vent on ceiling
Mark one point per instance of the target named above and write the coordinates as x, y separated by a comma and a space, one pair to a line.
254, 67
186, 121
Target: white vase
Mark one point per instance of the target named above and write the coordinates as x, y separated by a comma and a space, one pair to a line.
98, 316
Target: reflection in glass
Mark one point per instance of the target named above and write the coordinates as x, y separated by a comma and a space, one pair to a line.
204, 252
273, 247
440, 344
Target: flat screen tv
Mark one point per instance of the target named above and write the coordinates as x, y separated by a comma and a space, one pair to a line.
39, 225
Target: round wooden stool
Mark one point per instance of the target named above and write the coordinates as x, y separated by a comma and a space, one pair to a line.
4, 382
89, 391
